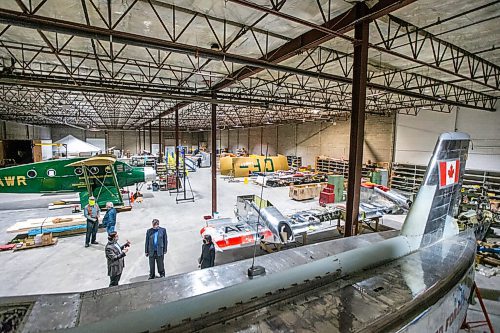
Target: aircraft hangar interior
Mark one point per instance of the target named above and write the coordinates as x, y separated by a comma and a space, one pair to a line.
249, 166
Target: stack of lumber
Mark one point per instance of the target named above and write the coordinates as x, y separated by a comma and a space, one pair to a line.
47, 223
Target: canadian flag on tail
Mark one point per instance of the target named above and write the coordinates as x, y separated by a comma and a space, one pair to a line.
448, 173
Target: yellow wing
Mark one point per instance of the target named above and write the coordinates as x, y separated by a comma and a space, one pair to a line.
94, 161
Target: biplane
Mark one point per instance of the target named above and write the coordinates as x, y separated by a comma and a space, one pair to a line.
101, 176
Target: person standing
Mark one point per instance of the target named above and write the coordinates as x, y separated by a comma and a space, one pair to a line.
156, 248
115, 255
91, 213
109, 220
207, 258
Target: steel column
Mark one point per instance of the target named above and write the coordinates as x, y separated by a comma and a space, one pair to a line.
214, 158
177, 143
361, 33
160, 153
144, 138
140, 143
150, 139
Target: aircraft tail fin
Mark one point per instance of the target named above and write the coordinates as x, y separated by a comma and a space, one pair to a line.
431, 216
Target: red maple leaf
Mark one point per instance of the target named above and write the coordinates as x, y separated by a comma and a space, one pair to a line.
451, 171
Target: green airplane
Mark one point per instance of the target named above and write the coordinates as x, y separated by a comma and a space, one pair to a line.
102, 175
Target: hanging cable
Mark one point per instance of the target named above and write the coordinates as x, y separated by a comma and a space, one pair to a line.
258, 270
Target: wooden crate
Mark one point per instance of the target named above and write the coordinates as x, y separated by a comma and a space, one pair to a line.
29, 245
306, 191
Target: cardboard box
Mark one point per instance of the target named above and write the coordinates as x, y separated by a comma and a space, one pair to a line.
47, 238
29, 241
306, 191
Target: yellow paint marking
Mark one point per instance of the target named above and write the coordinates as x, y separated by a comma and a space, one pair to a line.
21, 180
10, 180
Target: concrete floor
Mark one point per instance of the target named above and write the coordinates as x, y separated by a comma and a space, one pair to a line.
68, 266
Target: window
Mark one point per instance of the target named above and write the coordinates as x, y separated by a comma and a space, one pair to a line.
31, 173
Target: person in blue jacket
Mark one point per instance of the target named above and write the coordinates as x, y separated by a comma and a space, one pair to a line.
109, 220
156, 248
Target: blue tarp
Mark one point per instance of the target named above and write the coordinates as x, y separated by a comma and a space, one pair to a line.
37, 231
489, 249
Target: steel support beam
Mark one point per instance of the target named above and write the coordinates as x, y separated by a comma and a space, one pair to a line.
361, 33
160, 143
252, 65
150, 139
140, 143
144, 138
177, 143
341, 24
213, 157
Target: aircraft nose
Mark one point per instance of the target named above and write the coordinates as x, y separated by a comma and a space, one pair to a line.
149, 174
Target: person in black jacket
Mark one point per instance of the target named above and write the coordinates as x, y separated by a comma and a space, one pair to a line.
156, 248
207, 258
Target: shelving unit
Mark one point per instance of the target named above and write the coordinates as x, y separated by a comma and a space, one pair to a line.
340, 167
294, 161
408, 177
487, 179
161, 172
332, 165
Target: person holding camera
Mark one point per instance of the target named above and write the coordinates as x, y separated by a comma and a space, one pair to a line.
115, 255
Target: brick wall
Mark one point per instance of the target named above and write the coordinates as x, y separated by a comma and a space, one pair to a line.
311, 139
307, 140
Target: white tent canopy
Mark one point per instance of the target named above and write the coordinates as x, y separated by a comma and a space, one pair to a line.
76, 146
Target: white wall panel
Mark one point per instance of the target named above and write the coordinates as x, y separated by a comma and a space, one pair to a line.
416, 136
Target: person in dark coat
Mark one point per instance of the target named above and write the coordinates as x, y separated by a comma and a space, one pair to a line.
91, 213
156, 248
109, 220
207, 258
115, 255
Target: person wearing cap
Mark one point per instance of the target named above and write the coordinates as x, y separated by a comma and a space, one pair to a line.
109, 220
115, 255
156, 248
207, 258
91, 213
